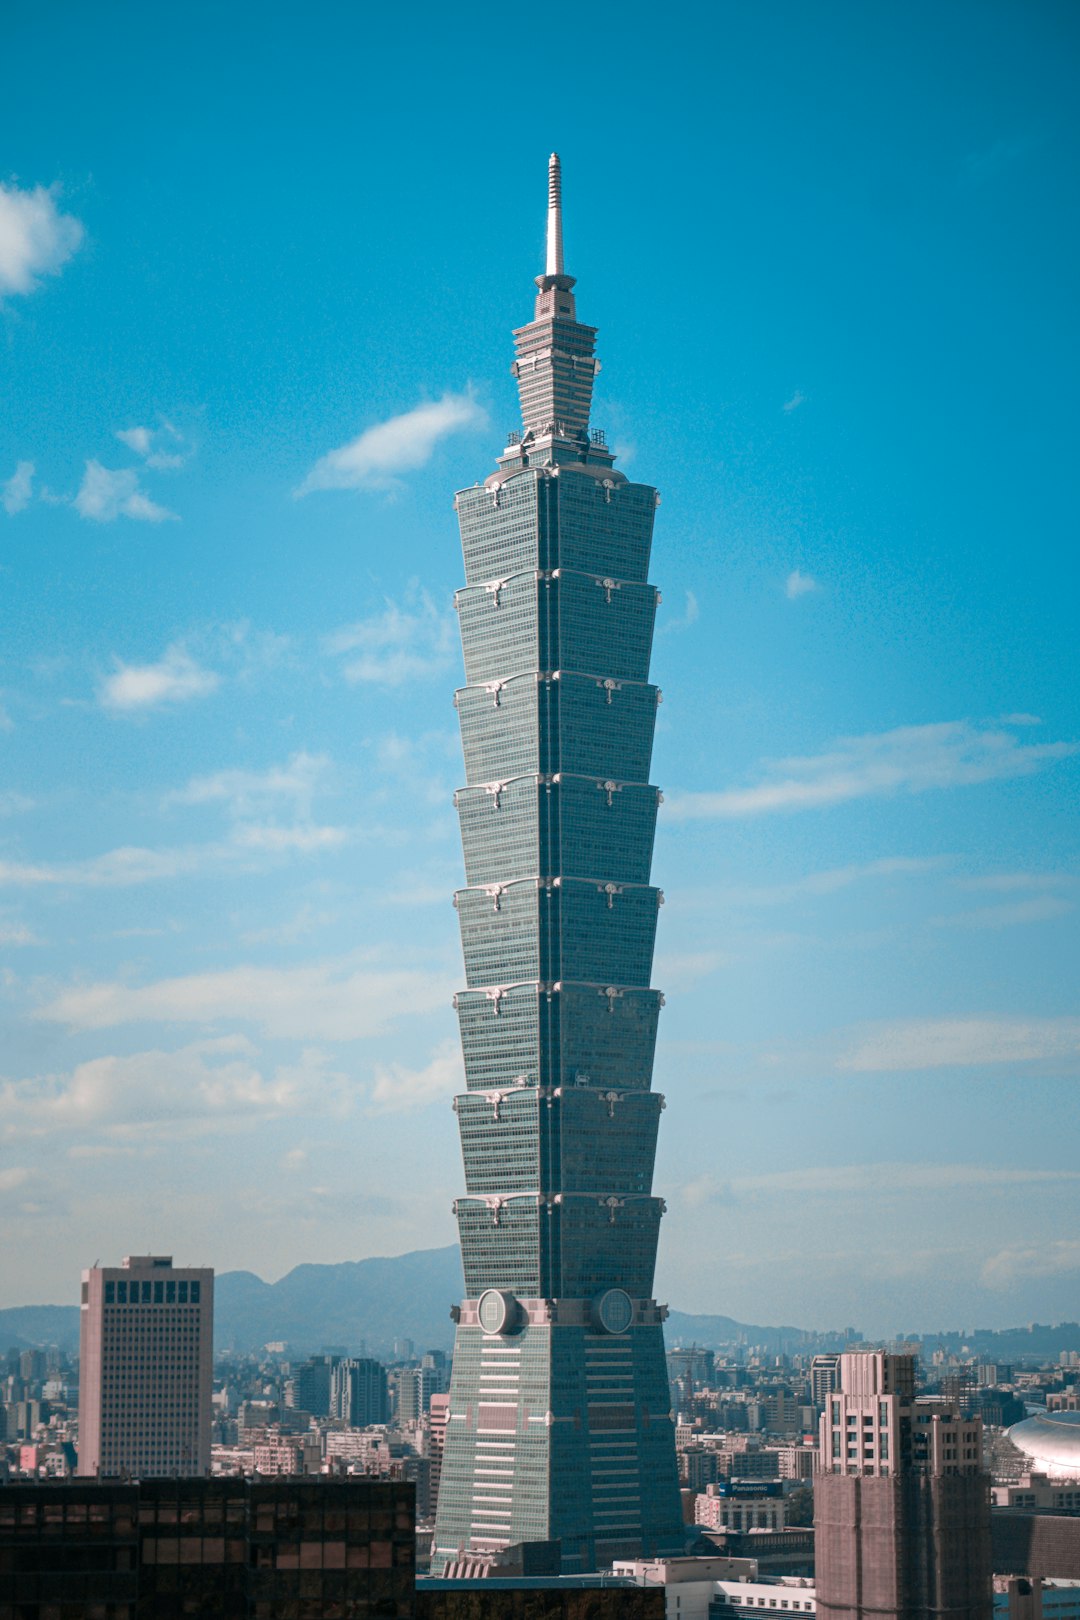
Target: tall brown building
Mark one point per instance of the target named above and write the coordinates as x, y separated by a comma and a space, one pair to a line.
146, 1342
901, 1501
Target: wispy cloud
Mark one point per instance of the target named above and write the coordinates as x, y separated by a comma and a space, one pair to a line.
847, 1181
175, 678
1017, 882
1019, 1262
798, 398
398, 1088
13, 803
397, 644
837, 878
198, 1086
246, 792
689, 616
374, 459
910, 759
304, 838
36, 239
940, 1043
163, 447
1039, 908
17, 934
250, 846
344, 999
799, 584
17, 492
106, 494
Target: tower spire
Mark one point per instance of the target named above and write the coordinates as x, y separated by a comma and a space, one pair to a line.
554, 217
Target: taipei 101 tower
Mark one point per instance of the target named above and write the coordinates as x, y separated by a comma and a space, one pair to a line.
559, 1427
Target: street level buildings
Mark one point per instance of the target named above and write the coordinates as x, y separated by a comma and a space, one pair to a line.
559, 1426
901, 1501
146, 1332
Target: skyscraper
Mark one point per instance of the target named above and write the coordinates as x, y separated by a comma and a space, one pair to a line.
559, 1425
358, 1392
901, 1501
146, 1341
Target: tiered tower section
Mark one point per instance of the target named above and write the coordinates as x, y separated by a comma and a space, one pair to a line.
559, 1426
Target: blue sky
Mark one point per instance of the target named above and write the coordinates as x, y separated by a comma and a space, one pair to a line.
258, 271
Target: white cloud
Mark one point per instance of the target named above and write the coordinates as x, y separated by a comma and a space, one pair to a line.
798, 398
202, 1084
17, 934
1011, 882
36, 239
339, 1000
173, 679
1019, 1262
244, 792
117, 868
690, 616
373, 460
871, 1180
164, 448
939, 1043
19, 488
837, 878
398, 1088
308, 920
799, 584
304, 839
910, 759
396, 645
13, 803
105, 495
1040, 908
134, 864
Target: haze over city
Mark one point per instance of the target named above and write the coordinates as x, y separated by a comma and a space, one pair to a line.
255, 315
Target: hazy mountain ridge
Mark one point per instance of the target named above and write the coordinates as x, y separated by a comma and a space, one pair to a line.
373, 1302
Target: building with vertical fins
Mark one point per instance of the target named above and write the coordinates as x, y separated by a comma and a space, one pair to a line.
559, 1426
901, 1500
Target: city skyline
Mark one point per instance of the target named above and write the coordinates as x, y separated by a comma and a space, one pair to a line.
246, 359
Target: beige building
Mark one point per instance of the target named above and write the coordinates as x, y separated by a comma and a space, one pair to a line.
901, 1501
146, 1336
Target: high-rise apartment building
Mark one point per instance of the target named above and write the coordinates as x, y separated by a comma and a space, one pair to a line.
559, 1426
146, 1341
416, 1385
901, 1501
309, 1387
358, 1392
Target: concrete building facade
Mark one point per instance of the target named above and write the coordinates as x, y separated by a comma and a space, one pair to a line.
146, 1339
901, 1501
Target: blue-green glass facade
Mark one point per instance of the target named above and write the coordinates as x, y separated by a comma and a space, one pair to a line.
559, 1427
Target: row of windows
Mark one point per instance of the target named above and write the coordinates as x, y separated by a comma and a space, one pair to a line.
603, 933
579, 724
606, 1150
571, 521
146, 1292
573, 622
579, 1035
579, 826
574, 1250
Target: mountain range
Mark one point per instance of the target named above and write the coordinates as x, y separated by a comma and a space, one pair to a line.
369, 1304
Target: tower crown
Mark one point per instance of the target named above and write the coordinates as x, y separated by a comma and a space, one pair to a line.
555, 364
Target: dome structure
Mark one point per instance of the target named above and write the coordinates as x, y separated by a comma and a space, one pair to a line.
1052, 1441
